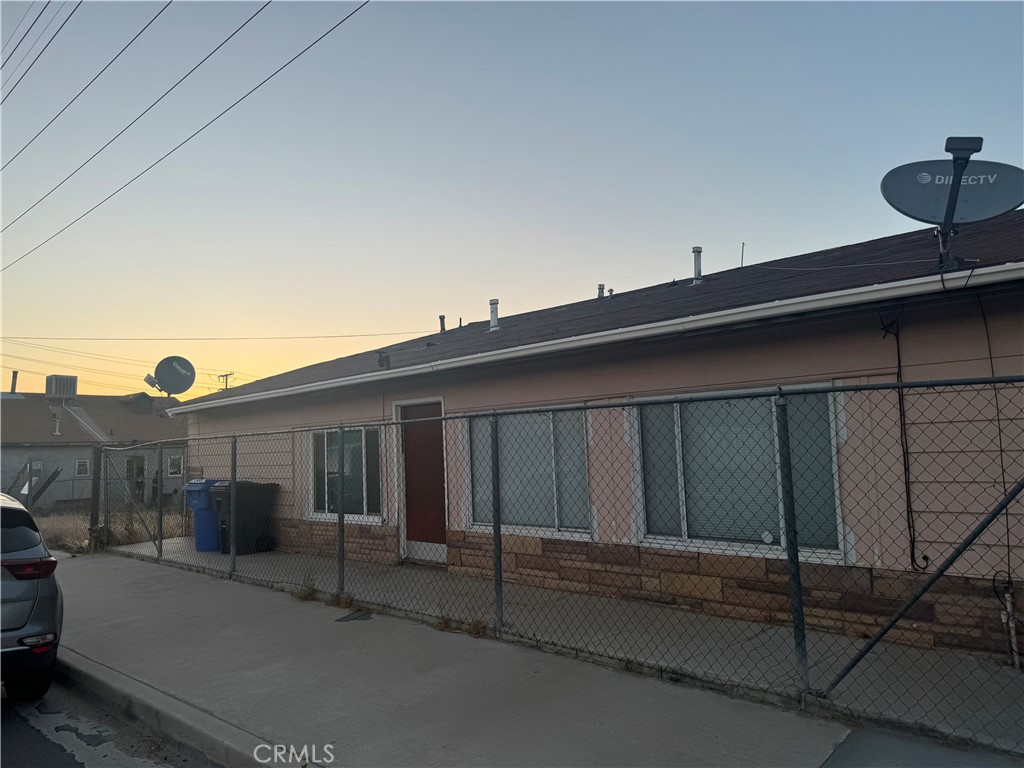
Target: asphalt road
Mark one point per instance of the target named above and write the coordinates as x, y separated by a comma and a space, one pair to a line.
63, 731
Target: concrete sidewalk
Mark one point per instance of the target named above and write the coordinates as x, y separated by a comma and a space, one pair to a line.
226, 667
947, 692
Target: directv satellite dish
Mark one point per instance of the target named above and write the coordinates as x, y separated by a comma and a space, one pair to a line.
946, 193
921, 190
173, 375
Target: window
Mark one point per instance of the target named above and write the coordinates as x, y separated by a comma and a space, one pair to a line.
710, 471
360, 478
542, 472
174, 466
82, 468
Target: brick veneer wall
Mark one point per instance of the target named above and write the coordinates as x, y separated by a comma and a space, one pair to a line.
958, 612
367, 543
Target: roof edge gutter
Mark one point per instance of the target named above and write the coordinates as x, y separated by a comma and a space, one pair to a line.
865, 294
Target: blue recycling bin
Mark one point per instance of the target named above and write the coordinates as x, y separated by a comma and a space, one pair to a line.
204, 515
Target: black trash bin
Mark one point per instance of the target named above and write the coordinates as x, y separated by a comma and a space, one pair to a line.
254, 506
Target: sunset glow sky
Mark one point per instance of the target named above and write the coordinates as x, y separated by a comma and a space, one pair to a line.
427, 157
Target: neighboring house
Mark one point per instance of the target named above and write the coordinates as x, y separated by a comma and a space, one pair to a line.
48, 441
869, 313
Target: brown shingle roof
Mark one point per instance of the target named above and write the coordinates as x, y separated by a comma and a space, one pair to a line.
885, 260
31, 418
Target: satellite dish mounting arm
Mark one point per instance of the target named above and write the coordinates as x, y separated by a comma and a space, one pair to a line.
961, 148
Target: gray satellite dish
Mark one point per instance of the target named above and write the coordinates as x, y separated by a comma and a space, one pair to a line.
921, 190
173, 375
953, 192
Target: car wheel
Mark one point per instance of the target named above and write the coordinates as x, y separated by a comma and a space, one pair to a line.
30, 687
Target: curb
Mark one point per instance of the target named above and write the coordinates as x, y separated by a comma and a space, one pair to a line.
184, 727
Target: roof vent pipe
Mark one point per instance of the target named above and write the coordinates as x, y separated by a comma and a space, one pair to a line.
495, 326
600, 290
697, 251
14, 382
441, 318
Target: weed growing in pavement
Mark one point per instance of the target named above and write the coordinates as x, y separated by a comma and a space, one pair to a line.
339, 601
478, 627
443, 624
307, 589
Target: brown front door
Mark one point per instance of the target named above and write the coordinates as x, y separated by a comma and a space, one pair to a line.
423, 449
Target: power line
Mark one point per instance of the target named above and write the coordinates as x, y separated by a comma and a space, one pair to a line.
95, 77
28, 51
133, 122
28, 7
209, 338
15, 48
32, 64
183, 143
845, 266
137, 377
87, 381
99, 356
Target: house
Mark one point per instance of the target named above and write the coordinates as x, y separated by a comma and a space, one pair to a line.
643, 457
48, 441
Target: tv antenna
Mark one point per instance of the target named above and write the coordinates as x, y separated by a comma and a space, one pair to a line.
942, 192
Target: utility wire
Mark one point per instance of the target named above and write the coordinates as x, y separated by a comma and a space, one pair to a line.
133, 122
844, 266
104, 357
15, 48
95, 77
11, 71
209, 338
32, 64
96, 383
186, 141
77, 367
28, 7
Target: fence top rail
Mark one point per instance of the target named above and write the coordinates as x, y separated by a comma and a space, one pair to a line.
752, 393
174, 442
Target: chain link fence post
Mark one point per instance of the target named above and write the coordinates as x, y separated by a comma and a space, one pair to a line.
159, 501
94, 497
499, 603
233, 503
339, 499
105, 482
796, 595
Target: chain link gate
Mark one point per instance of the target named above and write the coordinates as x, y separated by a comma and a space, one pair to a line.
752, 541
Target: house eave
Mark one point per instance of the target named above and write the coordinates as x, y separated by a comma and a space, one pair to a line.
846, 298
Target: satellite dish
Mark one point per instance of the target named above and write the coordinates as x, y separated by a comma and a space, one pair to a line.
921, 190
173, 375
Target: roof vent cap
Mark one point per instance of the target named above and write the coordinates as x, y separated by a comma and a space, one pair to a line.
495, 325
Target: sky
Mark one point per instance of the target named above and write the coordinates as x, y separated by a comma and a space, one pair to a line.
426, 157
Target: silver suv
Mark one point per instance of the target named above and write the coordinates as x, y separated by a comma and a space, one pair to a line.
33, 606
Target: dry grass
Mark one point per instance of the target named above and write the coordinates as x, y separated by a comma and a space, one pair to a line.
68, 529
443, 624
307, 589
339, 601
477, 627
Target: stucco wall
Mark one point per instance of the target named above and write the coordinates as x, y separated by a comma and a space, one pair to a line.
69, 487
941, 339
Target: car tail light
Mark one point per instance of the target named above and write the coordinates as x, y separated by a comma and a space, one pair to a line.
36, 568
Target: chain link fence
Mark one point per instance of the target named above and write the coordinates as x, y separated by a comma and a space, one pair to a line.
858, 549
